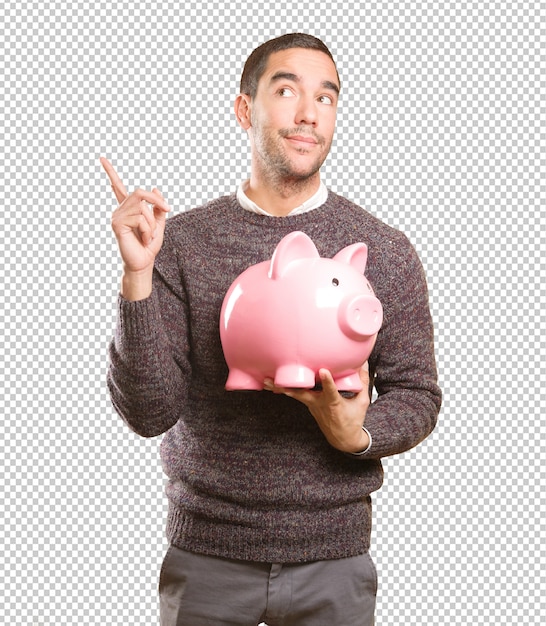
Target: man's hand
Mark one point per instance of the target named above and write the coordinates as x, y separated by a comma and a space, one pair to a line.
339, 418
139, 232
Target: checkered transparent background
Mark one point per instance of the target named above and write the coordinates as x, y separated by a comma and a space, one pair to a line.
440, 133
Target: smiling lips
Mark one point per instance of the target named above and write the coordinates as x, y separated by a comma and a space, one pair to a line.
302, 140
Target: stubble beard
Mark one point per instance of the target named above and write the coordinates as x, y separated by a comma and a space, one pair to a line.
278, 168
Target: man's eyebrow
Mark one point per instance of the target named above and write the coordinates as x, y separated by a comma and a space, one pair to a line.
326, 84
285, 76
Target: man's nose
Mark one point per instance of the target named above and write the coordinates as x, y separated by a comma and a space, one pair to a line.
307, 111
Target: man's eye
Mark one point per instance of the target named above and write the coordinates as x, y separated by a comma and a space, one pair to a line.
326, 100
285, 92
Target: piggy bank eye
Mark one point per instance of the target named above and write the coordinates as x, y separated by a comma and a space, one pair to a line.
335, 282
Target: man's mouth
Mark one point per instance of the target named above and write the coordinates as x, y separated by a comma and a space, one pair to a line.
302, 139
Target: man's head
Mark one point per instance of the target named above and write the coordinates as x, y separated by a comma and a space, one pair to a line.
257, 61
288, 106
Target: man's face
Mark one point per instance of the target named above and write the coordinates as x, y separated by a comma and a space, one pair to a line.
293, 114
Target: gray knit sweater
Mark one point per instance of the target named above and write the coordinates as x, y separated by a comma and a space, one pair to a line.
250, 474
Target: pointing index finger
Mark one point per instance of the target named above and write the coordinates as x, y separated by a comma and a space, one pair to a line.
117, 186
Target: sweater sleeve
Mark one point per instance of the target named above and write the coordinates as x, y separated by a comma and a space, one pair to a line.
149, 371
402, 365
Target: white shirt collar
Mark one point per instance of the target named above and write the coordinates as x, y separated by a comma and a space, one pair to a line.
314, 201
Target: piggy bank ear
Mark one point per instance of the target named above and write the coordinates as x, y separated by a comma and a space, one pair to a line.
296, 245
355, 255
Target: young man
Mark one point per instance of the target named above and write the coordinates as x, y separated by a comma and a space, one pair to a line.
269, 493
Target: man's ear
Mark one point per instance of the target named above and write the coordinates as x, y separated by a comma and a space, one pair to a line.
242, 110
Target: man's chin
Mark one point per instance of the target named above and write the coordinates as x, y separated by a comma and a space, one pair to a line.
296, 177
303, 171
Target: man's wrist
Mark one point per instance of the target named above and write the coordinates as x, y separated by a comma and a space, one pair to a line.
136, 285
366, 443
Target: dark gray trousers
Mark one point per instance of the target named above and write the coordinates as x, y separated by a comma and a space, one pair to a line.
200, 590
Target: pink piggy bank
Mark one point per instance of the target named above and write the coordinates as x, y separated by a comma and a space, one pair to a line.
288, 317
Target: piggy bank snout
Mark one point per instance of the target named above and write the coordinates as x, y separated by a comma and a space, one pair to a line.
360, 316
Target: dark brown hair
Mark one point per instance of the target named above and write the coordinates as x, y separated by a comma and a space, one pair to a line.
257, 62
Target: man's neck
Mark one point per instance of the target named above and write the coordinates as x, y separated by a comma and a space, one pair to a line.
280, 200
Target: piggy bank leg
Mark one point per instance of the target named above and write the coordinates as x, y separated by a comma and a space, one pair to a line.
243, 381
294, 375
349, 383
